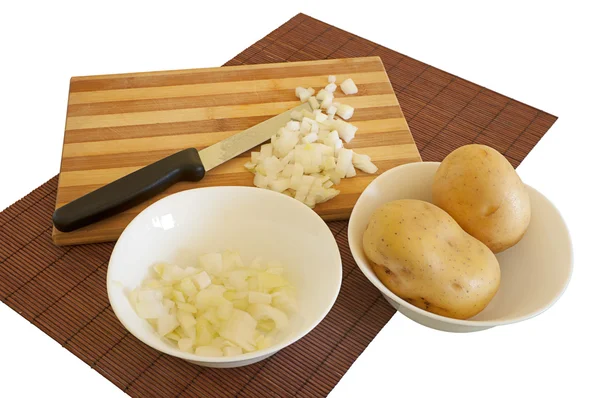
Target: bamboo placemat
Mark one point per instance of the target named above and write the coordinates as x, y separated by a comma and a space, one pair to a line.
62, 290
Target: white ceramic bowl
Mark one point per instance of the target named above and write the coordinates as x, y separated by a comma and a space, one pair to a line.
535, 272
255, 222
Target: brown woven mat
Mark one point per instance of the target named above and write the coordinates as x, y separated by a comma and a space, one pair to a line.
62, 290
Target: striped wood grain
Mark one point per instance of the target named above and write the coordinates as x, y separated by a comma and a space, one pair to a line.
117, 124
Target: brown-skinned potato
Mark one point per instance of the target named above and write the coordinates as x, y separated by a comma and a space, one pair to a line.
423, 256
480, 189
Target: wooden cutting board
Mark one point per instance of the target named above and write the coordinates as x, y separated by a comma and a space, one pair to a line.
117, 124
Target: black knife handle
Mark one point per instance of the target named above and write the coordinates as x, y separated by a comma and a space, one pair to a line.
129, 191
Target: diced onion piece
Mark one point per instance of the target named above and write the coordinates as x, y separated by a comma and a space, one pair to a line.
261, 181
266, 150
284, 299
185, 344
272, 166
329, 163
231, 351
311, 90
322, 94
296, 179
208, 298
363, 162
331, 87
225, 310
292, 125
288, 158
202, 280
259, 298
237, 279
264, 311
266, 325
351, 172
187, 287
255, 157
324, 128
149, 304
334, 176
280, 184
166, 323
239, 329
325, 97
208, 351
302, 190
173, 273
320, 117
331, 110
186, 307
178, 296
343, 162
348, 87
287, 171
267, 281
303, 94
186, 320
249, 165
314, 104
309, 138
345, 129
345, 111
173, 336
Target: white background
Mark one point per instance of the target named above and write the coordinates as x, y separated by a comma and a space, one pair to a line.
541, 54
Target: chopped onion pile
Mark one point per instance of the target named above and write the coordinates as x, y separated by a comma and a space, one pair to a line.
221, 307
306, 158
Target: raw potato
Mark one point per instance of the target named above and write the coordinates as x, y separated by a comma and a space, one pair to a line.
477, 186
423, 256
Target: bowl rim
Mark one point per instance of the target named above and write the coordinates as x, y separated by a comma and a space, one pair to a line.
259, 354
462, 322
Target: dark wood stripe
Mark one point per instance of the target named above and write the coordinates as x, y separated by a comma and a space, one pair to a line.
134, 159
162, 129
243, 178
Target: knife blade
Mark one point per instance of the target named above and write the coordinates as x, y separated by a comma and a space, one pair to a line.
186, 165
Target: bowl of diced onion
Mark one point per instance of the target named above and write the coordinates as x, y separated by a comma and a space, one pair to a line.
224, 276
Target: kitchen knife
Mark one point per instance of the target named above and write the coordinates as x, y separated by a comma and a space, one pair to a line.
187, 165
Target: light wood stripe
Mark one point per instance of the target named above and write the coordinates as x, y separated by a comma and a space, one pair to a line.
279, 65
345, 67
119, 123
200, 140
249, 86
217, 112
178, 115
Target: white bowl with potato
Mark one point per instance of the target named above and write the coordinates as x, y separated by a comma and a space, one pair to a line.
180, 229
532, 274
